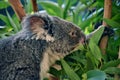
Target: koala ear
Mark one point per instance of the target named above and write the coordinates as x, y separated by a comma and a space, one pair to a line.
40, 26
36, 22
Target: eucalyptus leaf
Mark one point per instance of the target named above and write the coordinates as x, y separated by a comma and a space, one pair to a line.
90, 63
113, 63
112, 23
95, 51
17, 22
5, 19
52, 8
112, 70
96, 75
28, 7
12, 22
97, 35
71, 74
60, 2
4, 4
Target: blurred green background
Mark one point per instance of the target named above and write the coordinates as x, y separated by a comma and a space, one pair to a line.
87, 63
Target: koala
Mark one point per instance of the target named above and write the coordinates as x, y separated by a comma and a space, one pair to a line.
43, 39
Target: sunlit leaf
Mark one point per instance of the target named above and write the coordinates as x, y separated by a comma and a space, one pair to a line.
4, 4
17, 22
5, 19
97, 35
60, 2
12, 22
52, 8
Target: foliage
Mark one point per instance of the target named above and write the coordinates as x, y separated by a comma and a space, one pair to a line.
28, 6
87, 63
86, 14
12, 25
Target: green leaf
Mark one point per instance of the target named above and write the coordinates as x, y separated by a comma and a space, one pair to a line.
78, 59
112, 23
112, 70
90, 64
12, 22
52, 8
110, 64
96, 75
3, 4
68, 4
89, 20
17, 21
72, 75
116, 17
97, 35
5, 19
95, 51
60, 2
28, 7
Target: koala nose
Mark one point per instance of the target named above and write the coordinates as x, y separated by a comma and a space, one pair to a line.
82, 41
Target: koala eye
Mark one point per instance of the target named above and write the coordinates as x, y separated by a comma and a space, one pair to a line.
73, 33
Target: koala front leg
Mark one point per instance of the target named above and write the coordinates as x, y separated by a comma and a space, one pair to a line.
48, 60
44, 66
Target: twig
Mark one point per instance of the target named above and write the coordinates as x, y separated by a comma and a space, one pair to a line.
18, 8
34, 4
107, 15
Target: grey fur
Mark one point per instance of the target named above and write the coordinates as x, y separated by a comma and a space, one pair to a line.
21, 55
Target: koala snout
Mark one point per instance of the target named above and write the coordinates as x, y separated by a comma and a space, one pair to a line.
82, 41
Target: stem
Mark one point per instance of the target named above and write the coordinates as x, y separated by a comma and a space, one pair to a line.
107, 15
18, 8
34, 4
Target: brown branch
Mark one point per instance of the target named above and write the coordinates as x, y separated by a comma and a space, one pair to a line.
18, 8
107, 15
34, 4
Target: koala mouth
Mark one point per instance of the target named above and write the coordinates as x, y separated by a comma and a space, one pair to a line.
77, 46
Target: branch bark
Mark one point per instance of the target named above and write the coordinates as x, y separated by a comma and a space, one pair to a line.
18, 8
107, 15
34, 4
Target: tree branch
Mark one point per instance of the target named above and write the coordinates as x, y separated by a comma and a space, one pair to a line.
107, 15
34, 4
18, 8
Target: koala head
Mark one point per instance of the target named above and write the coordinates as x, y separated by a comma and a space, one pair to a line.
62, 36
